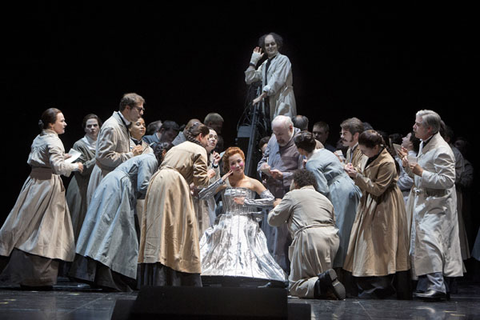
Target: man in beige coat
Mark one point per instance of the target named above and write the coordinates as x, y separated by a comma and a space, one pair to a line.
435, 245
113, 142
351, 129
311, 222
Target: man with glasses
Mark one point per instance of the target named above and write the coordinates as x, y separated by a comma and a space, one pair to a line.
113, 142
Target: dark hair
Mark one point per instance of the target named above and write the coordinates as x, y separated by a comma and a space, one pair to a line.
49, 116
91, 116
305, 140
278, 40
131, 100
158, 149
303, 177
370, 139
301, 122
196, 129
353, 125
169, 125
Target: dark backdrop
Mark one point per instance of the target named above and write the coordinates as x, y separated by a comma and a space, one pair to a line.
380, 63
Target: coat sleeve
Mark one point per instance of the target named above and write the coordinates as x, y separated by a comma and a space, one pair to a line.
106, 149
57, 159
279, 77
282, 212
443, 174
377, 186
200, 169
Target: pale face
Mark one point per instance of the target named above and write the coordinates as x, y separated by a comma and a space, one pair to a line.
271, 47
421, 132
348, 140
92, 128
236, 163
59, 125
282, 133
406, 143
132, 114
138, 129
212, 140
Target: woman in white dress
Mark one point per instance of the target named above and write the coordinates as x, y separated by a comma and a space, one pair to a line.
37, 233
235, 248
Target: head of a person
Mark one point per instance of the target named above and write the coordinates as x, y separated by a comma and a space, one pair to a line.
427, 123
199, 132
270, 43
168, 131
262, 144
305, 142
138, 129
153, 127
410, 142
53, 119
320, 131
350, 131
131, 106
282, 127
300, 122
91, 124
234, 159
160, 149
303, 178
212, 140
371, 143
214, 121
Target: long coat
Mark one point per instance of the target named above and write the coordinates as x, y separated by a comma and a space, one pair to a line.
169, 229
278, 84
311, 222
108, 233
113, 148
39, 222
379, 239
435, 244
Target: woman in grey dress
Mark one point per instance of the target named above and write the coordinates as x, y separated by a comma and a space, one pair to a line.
236, 246
334, 183
37, 233
107, 247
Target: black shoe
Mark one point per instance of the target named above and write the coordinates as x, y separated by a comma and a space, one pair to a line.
328, 282
431, 295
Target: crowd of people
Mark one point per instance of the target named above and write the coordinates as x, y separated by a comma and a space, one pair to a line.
375, 216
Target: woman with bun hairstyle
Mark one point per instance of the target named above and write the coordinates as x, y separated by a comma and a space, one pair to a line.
37, 233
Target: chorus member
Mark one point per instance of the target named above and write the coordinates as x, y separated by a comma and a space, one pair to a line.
113, 143
280, 159
166, 133
311, 222
378, 248
181, 134
321, 132
77, 188
245, 254
37, 234
137, 132
334, 183
435, 245
169, 245
107, 247
405, 182
351, 129
276, 76
205, 208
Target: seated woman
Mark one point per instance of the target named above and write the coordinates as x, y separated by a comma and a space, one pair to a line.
236, 246
311, 222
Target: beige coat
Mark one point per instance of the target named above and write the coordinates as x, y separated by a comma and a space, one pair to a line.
169, 229
113, 148
356, 158
39, 222
311, 222
379, 239
435, 243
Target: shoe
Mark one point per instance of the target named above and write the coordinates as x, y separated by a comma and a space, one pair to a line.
328, 282
431, 295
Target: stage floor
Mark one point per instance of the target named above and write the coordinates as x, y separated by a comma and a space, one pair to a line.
69, 300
